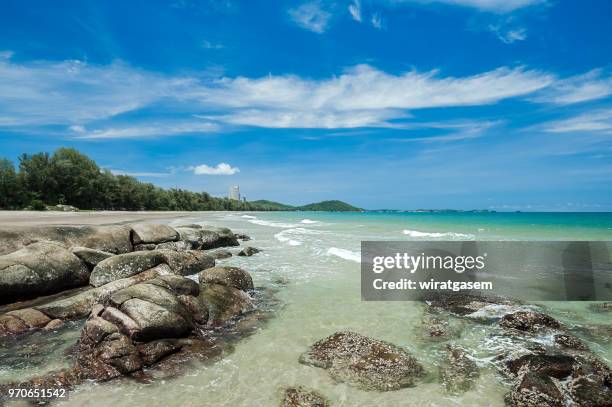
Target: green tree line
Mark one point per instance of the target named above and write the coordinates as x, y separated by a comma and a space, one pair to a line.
71, 178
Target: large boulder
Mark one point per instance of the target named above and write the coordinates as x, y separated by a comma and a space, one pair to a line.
38, 269
367, 363
79, 305
143, 233
91, 257
205, 238
187, 262
534, 389
224, 303
228, 276
248, 251
113, 239
124, 265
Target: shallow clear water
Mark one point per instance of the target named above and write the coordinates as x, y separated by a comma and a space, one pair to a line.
317, 254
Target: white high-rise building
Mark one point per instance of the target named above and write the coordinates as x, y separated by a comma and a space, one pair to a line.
234, 193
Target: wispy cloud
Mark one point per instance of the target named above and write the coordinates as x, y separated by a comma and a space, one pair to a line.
220, 169
580, 88
211, 45
355, 10
145, 130
311, 16
377, 21
599, 121
6, 54
495, 6
508, 36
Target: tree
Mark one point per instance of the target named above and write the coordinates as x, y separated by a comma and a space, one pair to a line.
10, 189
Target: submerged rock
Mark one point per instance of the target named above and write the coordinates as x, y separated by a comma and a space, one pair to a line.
248, 251
39, 269
462, 304
242, 236
367, 363
601, 307
569, 342
124, 265
437, 327
302, 397
460, 371
221, 254
529, 321
533, 390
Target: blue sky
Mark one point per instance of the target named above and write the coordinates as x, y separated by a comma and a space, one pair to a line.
499, 104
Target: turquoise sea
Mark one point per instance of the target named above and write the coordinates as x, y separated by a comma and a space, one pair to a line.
310, 261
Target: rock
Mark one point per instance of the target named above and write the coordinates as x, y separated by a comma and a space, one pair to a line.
91, 257
228, 276
53, 325
178, 284
38, 269
367, 363
224, 303
460, 371
590, 391
179, 246
124, 265
221, 254
242, 236
207, 238
187, 262
124, 323
529, 321
32, 318
113, 239
152, 352
79, 305
302, 397
248, 251
601, 306
10, 325
462, 304
436, 328
155, 321
156, 294
152, 233
558, 366
569, 342
143, 247
535, 390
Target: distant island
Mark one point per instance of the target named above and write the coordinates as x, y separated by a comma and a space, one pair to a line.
69, 180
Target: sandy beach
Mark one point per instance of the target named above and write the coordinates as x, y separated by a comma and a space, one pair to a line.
32, 218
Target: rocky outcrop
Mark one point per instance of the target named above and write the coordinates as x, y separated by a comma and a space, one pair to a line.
459, 372
124, 265
248, 251
535, 389
529, 321
367, 363
205, 238
39, 269
568, 342
91, 257
113, 239
227, 276
188, 262
302, 397
143, 233
462, 304
20, 321
221, 254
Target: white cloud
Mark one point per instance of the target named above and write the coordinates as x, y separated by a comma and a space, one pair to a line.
599, 121
580, 88
311, 16
220, 169
146, 130
355, 10
508, 36
210, 45
377, 21
495, 6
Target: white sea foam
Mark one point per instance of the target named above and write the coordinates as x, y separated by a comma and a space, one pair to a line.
344, 254
273, 224
249, 217
282, 237
309, 222
416, 233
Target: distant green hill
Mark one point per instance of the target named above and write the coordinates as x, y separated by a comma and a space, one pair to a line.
271, 205
334, 206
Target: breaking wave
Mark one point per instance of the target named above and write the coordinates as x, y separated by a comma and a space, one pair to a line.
452, 235
344, 254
